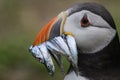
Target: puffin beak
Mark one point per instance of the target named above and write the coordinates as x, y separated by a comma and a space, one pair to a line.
52, 29
44, 33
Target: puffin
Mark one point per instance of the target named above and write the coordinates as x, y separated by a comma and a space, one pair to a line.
96, 38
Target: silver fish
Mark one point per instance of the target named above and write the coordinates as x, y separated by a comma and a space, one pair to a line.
41, 53
47, 58
73, 50
53, 47
61, 44
55, 52
36, 53
66, 45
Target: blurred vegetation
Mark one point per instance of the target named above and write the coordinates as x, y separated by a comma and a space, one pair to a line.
20, 21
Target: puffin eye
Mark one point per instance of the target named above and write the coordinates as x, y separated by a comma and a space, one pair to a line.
84, 21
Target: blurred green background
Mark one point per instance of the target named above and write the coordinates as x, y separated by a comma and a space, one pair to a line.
20, 21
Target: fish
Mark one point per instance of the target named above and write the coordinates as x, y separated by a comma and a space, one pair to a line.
65, 45
61, 45
36, 53
55, 52
47, 58
73, 50
42, 54
51, 45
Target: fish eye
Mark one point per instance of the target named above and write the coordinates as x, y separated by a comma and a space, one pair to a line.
84, 21
48, 66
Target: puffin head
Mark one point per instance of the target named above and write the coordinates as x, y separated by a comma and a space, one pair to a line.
94, 31
92, 26
90, 23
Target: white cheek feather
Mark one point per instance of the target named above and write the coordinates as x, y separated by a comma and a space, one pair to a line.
73, 76
92, 38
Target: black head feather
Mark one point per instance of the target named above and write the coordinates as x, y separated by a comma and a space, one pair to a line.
95, 8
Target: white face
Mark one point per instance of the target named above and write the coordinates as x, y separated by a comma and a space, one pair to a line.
93, 37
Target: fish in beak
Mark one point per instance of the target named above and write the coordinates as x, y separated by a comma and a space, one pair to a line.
56, 54
47, 58
65, 45
74, 53
42, 54
53, 40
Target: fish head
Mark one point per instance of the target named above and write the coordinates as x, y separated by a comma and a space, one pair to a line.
36, 53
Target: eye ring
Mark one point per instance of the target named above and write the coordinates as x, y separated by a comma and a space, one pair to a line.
84, 21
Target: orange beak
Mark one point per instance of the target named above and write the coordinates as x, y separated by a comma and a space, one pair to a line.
53, 28
43, 35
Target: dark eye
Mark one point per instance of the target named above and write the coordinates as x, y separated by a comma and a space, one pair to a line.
84, 21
